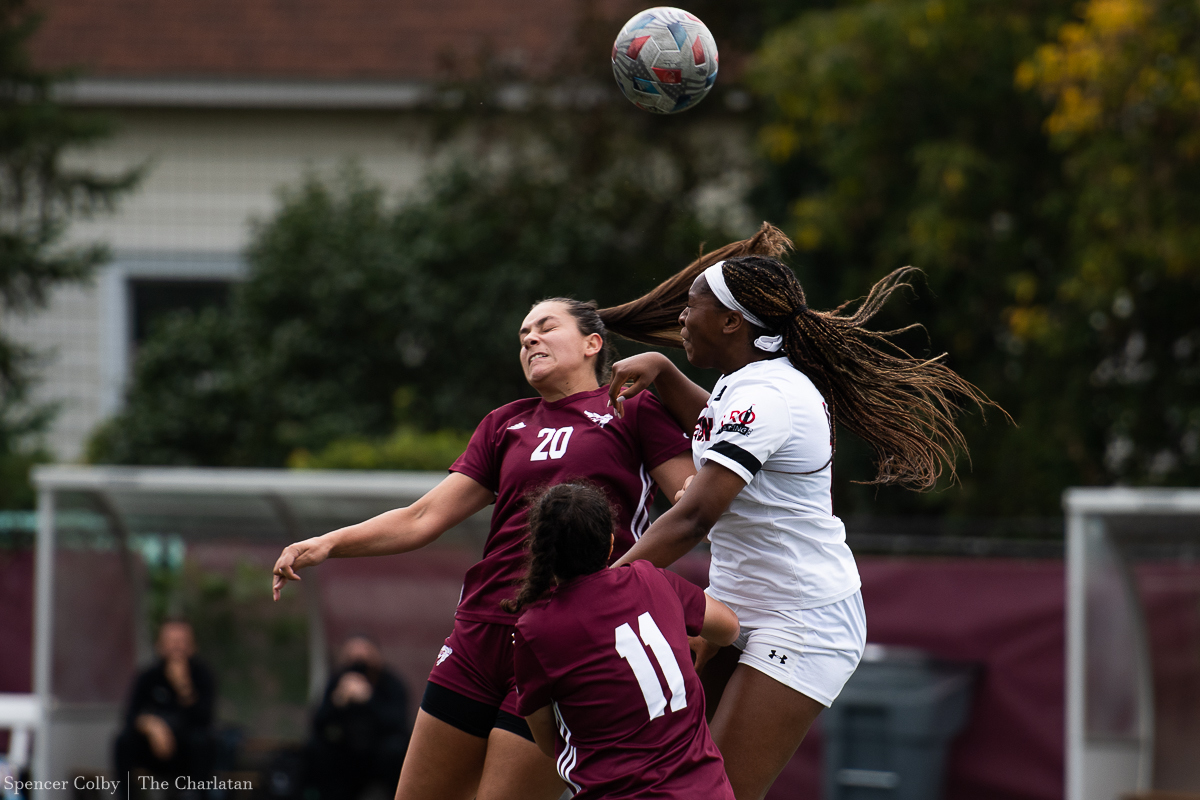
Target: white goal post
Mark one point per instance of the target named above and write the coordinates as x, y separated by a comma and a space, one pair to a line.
1121, 542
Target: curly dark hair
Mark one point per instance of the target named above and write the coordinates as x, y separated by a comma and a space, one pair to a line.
570, 534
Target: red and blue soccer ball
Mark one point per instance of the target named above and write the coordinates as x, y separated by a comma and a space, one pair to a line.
664, 60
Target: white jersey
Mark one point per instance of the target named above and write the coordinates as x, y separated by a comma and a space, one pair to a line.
779, 546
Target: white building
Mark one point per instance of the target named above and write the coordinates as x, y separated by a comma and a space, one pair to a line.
226, 101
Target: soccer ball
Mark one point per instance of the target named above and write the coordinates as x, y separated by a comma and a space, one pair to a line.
664, 60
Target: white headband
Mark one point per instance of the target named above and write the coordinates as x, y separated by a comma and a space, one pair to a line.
716, 282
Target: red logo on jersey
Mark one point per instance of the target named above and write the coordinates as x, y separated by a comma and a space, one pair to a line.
703, 431
739, 422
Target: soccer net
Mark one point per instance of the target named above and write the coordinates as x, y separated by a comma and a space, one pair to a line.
120, 549
1133, 642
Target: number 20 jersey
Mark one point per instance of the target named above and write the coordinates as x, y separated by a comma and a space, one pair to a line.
609, 651
533, 444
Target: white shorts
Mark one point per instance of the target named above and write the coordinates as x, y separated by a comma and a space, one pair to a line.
811, 650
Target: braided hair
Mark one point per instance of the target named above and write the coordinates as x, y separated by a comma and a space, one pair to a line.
570, 534
903, 407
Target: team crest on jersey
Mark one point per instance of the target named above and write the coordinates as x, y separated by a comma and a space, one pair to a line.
598, 419
444, 653
738, 422
703, 431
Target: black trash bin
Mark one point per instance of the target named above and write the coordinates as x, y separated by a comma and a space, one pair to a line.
887, 733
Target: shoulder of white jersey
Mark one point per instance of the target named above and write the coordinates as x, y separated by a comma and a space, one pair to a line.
781, 375
753, 389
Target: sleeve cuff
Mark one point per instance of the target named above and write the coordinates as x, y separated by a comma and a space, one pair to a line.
739, 461
526, 705
663, 456
474, 475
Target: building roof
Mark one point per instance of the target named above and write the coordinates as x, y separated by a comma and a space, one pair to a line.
304, 40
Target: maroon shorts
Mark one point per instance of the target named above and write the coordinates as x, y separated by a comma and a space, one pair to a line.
477, 662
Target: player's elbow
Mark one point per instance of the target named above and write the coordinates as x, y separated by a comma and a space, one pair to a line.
697, 513
729, 634
721, 625
696, 530
697, 522
725, 627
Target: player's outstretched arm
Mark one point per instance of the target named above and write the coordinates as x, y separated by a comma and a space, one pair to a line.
684, 399
541, 725
676, 532
397, 531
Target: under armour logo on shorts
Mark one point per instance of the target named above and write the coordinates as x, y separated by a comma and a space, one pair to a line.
444, 653
782, 658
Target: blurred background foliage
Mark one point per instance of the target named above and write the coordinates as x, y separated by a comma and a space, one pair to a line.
39, 195
1036, 159
350, 299
1045, 184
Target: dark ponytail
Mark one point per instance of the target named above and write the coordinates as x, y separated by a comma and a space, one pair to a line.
570, 534
654, 318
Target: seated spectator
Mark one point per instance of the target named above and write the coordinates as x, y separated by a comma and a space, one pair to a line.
168, 725
360, 732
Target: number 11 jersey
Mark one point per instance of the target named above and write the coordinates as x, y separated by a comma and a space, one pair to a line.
609, 651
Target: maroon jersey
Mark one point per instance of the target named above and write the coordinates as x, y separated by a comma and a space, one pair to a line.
610, 651
531, 444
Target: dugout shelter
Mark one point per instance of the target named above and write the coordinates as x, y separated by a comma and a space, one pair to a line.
1133, 643
107, 536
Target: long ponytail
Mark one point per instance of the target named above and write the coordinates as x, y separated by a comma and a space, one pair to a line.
654, 317
903, 407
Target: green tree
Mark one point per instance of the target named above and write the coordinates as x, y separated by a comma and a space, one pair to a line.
405, 448
367, 329
39, 196
899, 137
1048, 189
358, 317
1124, 84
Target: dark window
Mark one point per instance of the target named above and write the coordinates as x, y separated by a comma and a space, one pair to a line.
153, 298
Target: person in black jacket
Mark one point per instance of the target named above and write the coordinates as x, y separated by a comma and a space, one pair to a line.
168, 724
360, 732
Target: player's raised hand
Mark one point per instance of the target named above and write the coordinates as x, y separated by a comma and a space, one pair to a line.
633, 375
702, 651
299, 555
